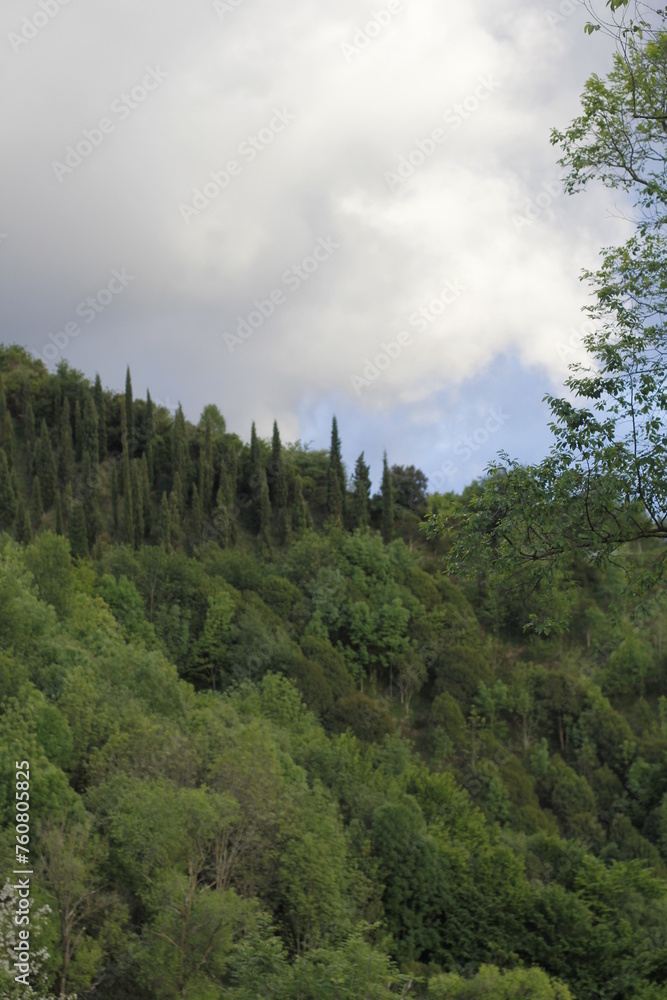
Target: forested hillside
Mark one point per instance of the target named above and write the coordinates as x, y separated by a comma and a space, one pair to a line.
275, 752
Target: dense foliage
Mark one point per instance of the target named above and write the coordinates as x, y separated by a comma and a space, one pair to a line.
275, 752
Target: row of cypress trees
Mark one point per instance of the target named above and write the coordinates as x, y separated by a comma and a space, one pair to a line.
198, 481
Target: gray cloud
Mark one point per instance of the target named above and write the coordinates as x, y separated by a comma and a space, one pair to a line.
476, 212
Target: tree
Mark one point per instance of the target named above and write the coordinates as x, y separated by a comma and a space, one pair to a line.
114, 496
603, 484
180, 461
66, 450
7, 495
37, 506
67, 861
23, 527
45, 468
78, 532
90, 429
255, 480
409, 486
278, 487
361, 494
165, 524
387, 502
29, 434
301, 519
101, 410
60, 524
129, 411
196, 515
336, 481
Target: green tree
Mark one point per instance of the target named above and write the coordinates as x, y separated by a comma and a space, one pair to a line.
7, 495
180, 461
114, 496
278, 487
78, 532
603, 483
336, 481
361, 494
387, 502
23, 527
165, 524
29, 434
45, 468
66, 450
101, 411
37, 506
301, 518
129, 412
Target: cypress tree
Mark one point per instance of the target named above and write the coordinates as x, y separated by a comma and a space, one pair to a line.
66, 449
179, 448
128, 519
146, 496
129, 412
45, 467
78, 430
175, 517
29, 435
196, 515
37, 506
7, 495
137, 505
101, 410
124, 484
114, 496
60, 527
91, 438
334, 498
264, 515
206, 469
387, 502
335, 507
221, 520
3, 399
361, 497
89, 496
165, 524
279, 482
23, 526
228, 480
255, 481
150, 435
177, 497
68, 504
78, 535
301, 519
8, 439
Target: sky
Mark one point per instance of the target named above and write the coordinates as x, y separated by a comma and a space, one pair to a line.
298, 210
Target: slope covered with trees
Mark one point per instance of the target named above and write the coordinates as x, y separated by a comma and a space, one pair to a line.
276, 752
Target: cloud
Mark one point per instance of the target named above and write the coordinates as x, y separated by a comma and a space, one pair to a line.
491, 77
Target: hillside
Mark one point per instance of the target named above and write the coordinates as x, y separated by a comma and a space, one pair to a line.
274, 752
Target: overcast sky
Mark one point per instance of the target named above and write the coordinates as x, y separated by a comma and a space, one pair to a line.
385, 190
